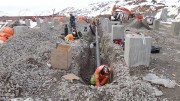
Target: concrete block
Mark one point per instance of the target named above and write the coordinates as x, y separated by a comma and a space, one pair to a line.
105, 24
61, 57
47, 20
110, 23
38, 20
137, 50
156, 25
178, 10
117, 32
45, 26
27, 22
175, 28
19, 29
56, 22
164, 14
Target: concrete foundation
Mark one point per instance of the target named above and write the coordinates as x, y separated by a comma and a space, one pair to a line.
117, 32
47, 20
137, 50
156, 25
104, 24
56, 22
175, 28
27, 22
19, 29
110, 23
38, 21
45, 26
164, 14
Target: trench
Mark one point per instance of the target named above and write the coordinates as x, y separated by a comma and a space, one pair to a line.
87, 59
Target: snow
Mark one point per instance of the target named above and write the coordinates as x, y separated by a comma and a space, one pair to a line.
158, 15
105, 7
101, 8
33, 24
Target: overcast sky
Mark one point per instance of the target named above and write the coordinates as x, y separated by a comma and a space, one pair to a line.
18, 7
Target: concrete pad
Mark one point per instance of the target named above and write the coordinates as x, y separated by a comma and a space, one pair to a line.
105, 24
137, 50
45, 26
56, 22
38, 21
61, 57
19, 29
27, 22
117, 32
175, 28
46, 20
156, 25
110, 23
164, 14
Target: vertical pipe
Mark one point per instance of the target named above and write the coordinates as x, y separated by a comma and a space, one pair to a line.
53, 18
97, 49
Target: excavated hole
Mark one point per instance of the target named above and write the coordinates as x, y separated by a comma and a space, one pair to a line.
87, 61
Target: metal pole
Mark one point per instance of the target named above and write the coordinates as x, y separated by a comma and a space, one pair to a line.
53, 17
97, 49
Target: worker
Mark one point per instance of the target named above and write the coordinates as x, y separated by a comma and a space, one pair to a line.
76, 34
65, 29
69, 37
101, 76
72, 22
95, 21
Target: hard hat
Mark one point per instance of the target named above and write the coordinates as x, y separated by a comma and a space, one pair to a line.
106, 69
73, 32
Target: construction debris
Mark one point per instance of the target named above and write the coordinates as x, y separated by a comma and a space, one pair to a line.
162, 81
71, 77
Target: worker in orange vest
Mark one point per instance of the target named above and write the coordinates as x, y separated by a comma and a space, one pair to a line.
69, 37
101, 76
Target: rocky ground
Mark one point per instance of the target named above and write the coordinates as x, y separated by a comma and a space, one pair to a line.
25, 72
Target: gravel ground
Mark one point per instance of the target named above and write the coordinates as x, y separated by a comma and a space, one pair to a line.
25, 73
166, 63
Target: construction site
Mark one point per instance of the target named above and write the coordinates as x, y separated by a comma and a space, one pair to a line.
41, 63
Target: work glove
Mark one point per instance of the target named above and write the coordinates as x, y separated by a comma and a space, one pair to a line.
98, 85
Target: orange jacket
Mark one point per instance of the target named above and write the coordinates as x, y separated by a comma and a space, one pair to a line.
100, 78
69, 37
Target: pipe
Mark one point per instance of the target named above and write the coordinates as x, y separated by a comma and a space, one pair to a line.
97, 49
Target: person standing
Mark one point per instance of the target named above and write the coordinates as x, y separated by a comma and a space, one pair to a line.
72, 22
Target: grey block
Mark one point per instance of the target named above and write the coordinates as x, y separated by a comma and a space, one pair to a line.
137, 50
27, 22
156, 25
46, 20
175, 28
164, 14
19, 29
178, 10
45, 26
38, 21
104, 24
56, 22
117, 32
110, 23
